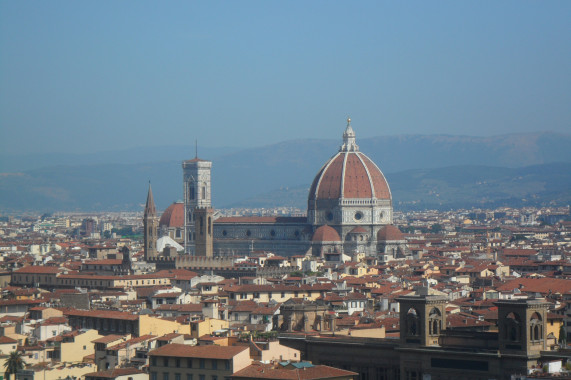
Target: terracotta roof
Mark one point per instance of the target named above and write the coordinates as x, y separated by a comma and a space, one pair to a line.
6, 340
34, 269
181, 308
544, 285
173, 216
310, 372
167, 295
109, 314
203, 352
358, 230
349, 175
278, 288
113, 373
326, 233
389, 232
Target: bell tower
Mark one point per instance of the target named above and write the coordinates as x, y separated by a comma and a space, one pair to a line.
150, 224
422, 318
197, 194
522, 326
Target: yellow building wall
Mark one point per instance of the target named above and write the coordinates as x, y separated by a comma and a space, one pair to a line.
276, 351
58, 373
156, 326
208, 326
73, 352
555, 328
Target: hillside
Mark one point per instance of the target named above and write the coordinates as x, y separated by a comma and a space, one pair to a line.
486, 170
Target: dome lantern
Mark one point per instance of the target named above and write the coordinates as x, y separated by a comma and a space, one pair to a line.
349, 144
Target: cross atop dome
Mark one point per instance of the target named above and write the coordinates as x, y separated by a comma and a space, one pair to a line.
349, 144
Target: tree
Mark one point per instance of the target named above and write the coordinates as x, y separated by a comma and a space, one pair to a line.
562, 336
13, 364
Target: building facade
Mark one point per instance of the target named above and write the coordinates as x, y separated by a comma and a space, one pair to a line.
349, 194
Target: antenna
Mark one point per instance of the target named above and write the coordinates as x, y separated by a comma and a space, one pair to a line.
195, 148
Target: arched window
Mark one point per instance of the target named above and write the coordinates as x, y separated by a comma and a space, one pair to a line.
434, 321
412, 322
512, 327
535, 327
209, 225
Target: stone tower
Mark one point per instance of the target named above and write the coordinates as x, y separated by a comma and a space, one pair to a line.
522, 326
196, 190
422, 318
203, 218
151, 224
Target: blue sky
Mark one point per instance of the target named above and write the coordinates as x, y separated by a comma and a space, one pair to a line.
85, 76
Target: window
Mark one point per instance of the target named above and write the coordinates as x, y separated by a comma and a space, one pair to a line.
189, 376
166, 362
177, 376
153, 376
214, 377
201, 377
189, 365
214, 365
177, 363
201, 363
227, 365
165, 376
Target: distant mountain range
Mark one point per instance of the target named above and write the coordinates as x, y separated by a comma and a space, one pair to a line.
424, 171
455, 187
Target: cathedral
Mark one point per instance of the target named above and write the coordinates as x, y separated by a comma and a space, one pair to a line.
349, 211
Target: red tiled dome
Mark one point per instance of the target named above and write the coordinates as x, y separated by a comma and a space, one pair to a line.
389, 232
173, 216
349, 174
326, 233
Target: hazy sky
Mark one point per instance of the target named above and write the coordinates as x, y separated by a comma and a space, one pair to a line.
88, 76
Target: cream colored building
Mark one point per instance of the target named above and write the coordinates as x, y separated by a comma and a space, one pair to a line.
183, 362
57, 371
74, 348
279, 293
206, 327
